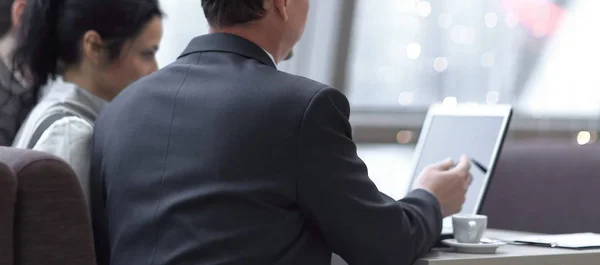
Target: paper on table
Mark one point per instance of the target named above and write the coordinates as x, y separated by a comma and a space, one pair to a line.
577, 240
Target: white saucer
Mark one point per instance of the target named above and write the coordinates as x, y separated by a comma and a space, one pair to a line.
489, 247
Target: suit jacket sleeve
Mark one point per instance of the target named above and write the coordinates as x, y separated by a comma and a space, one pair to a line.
359, 223
98, 200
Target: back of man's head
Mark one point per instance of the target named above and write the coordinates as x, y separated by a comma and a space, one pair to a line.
275, 25
227, 13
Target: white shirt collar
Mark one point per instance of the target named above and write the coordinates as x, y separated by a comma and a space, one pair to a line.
270, 56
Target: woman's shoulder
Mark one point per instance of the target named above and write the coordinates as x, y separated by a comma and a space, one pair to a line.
68, 138
55, 120
68, 127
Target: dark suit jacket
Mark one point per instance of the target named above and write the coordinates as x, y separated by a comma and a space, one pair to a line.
220, 158
15, 104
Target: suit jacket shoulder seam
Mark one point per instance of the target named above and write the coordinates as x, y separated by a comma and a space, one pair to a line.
165, 161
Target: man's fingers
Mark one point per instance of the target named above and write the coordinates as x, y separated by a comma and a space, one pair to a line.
463, 166
468, 181
443, 165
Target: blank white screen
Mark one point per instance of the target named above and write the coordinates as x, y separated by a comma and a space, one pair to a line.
452, 136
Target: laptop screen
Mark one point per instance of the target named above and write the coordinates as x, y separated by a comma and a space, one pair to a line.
452, 136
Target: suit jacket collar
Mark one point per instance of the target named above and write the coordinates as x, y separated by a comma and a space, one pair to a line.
224, 42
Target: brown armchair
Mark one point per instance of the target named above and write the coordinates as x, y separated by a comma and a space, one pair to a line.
545, 187
52, 224
8, 196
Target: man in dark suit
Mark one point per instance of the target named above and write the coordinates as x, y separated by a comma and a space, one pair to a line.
15, 99
220, 158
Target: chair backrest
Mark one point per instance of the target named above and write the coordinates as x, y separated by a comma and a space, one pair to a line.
52, 223
8, 196
545, 187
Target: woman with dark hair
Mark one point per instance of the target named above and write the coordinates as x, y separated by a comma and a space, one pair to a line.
14, 101
81, 53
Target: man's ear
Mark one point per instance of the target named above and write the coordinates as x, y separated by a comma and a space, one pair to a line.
17, 11
289, 56
93, 47
281, 6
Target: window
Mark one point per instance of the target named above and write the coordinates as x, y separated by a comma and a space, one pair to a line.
393, 58
184, 20
407, 54
567, 81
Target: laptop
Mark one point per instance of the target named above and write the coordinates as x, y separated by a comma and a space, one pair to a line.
452, 130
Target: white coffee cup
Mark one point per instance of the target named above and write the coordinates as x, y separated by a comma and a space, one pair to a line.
469, 228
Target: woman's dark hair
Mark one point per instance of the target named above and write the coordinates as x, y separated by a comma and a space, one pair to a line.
5, 16
52, 30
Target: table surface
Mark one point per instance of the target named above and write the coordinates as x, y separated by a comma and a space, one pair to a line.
513, 254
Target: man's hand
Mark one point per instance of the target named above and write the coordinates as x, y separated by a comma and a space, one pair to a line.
447, 183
